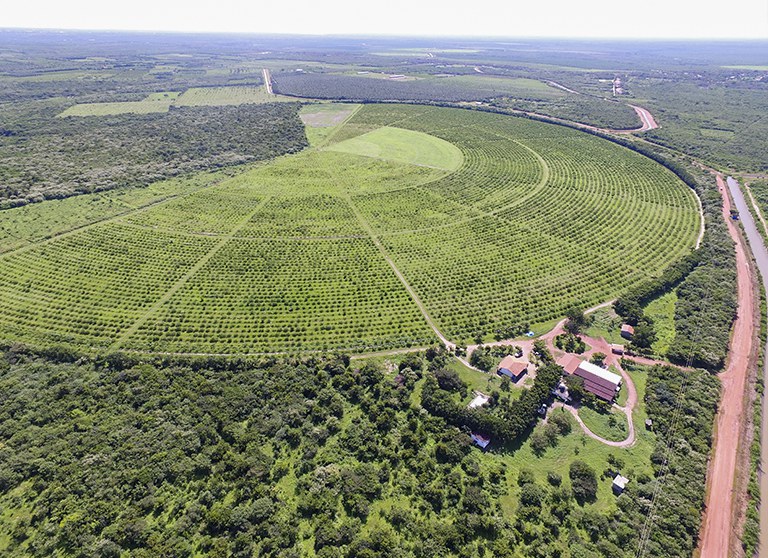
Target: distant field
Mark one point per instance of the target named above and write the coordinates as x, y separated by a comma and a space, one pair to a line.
220, 96
756, 68
491, 220
194, 97
155, 102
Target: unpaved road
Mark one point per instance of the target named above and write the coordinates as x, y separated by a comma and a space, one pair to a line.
760, 254
715, 538
267, 80
646, 118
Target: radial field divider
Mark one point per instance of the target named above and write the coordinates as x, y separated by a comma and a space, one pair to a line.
141, 320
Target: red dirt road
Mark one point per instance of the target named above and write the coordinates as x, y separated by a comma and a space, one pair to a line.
715, 536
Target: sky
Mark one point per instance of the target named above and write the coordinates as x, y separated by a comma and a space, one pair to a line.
492, 18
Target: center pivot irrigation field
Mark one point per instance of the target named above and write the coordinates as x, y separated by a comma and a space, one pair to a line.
490, 221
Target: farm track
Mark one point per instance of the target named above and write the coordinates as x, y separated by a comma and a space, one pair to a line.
375, 239
184, 278
715, 537
267, 80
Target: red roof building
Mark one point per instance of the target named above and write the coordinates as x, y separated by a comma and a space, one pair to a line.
512, 367
569, 363
599, 381
627, 331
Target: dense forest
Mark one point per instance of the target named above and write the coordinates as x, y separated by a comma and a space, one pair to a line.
306, 458
46, 158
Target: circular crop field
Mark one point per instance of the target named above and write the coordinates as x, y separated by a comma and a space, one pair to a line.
401, 219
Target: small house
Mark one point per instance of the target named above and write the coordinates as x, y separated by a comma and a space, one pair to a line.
619, 484
599, 381
617, 349
512, 368
480, 440
627, 331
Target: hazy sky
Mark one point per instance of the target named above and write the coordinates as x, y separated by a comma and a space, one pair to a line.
521, 18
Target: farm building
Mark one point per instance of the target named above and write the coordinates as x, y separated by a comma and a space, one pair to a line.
627, 331
599, 381
512, 367
569, 363
479, 400
480, 440
617, 349
619, 484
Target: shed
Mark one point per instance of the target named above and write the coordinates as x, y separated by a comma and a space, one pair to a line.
617, 349
599, 381
627, 331
649, 424
512, 367
619, 484
480, 440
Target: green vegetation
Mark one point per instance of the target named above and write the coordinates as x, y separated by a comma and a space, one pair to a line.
223, 96
403, 146
287, 260
611, 424
679, 460
662, 312
60, 157
231, 457
156, 102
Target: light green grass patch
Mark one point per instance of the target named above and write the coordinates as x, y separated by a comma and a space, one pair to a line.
404, 146
514, 87
756, 68
605, 323
152, 103
109, 109
224, 96
715, 133
662, 312
611, 426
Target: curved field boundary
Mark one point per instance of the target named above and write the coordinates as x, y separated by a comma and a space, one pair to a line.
242, 290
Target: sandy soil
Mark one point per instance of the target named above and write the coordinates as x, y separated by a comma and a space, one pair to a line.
716, 531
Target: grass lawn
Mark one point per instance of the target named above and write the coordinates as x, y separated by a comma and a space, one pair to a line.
662, 311
605, 323
611, 426
403, 146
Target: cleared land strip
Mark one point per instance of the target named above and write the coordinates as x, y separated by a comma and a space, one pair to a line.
186, 277
267, 80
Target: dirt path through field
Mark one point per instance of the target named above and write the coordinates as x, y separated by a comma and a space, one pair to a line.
715, 537
267, 80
